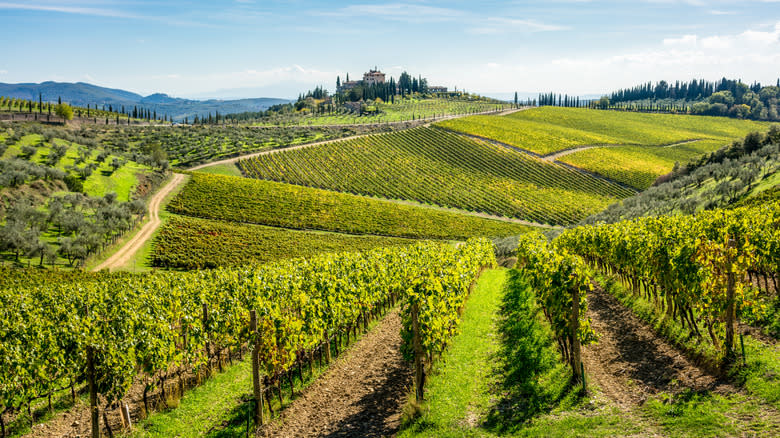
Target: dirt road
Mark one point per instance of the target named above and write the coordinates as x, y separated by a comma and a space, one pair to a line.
127, 252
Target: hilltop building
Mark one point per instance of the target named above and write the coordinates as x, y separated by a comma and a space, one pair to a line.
437, 89
373, 77
348, 85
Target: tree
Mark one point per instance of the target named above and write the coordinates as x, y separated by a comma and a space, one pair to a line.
515, 98
64, 110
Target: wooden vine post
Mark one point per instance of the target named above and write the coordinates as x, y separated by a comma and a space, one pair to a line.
205, 328
327, 348
574, 328
256, 384
730, 304
93, 406
419, 375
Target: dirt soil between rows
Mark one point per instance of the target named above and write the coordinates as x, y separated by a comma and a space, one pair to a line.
361, 394
631, 362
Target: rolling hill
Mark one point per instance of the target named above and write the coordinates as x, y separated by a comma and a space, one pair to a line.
82, 94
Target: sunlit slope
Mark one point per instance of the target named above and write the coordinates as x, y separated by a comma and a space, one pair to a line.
435, 166
547, 130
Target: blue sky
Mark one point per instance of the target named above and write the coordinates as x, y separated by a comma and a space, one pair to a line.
275, 48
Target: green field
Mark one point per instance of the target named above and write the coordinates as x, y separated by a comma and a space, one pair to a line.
438, 167
289, 206
546, 130
191, 243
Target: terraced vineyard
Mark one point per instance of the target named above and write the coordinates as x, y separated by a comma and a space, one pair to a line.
551, 129
641, 128
434, 166
284, 205
191, 243
538, 137
639, 166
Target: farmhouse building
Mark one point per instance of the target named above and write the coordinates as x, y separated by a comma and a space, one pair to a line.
373, 77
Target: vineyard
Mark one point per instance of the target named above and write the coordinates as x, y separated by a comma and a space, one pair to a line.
400, 110
282, 205
639, 166
704, 272
539, 137
641, 128
437, 167
148, 329
191, 145
632, 148
191, 243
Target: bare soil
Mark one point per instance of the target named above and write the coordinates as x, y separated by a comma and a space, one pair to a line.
631, 362
361, 394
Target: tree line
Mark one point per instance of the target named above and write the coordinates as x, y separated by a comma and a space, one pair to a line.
90, 111
724, 97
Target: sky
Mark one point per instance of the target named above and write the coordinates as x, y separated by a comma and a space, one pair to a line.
270, 48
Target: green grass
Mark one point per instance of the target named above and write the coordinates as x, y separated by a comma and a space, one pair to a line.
220, 406
103, 180
502, 375
202, 409
228, 169
140, 261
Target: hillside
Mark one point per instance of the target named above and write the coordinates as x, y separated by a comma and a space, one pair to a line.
734, 173
82, 94
230, 221
64, 198
438, 167
630, 148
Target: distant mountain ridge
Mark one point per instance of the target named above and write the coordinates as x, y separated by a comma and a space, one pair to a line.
82, 94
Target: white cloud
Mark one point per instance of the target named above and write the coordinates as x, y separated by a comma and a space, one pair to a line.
71, 8
3, 72
500, 25
685, 40
751, 55
67, 9
407, 12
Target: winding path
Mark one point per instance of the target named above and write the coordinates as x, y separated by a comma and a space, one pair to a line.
555, 155
127, 252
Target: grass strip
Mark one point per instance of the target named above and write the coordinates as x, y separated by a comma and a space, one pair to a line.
502, 375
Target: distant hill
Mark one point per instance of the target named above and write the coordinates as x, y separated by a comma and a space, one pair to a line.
81, 94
